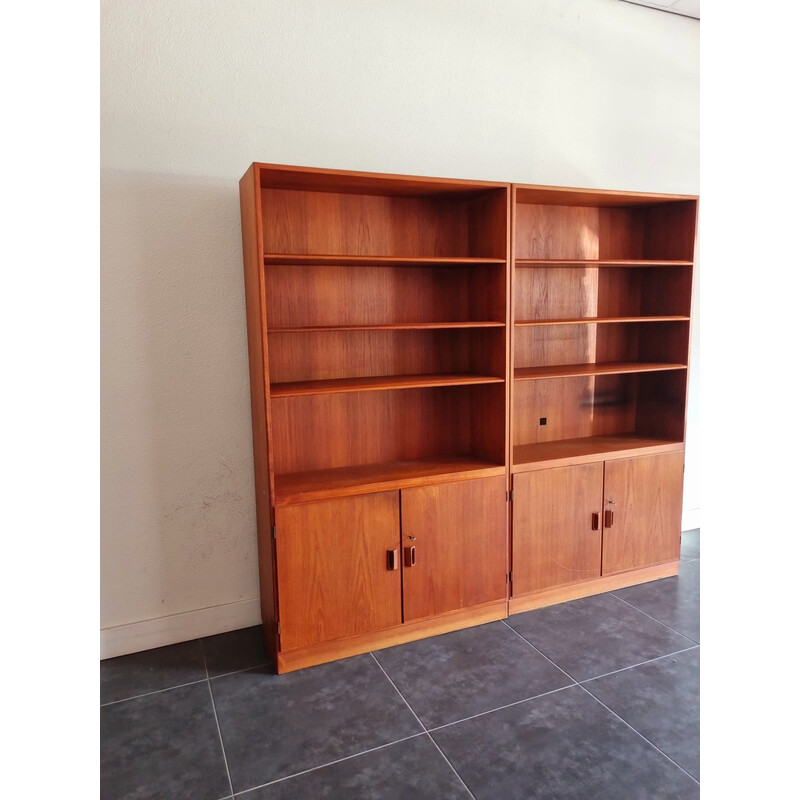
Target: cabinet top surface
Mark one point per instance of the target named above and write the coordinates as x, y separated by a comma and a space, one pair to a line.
281, 176
575, 196
287, 176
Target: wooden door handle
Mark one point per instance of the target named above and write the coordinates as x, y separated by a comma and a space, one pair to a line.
609, 520
595, 521
410, 556
391, 559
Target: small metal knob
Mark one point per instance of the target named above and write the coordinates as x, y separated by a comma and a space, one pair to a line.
412, 538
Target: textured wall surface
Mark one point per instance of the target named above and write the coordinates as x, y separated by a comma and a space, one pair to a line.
595, 93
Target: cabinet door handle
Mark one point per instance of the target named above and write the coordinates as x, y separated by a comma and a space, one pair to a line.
609, 521
391, 559
595, 522
410, 556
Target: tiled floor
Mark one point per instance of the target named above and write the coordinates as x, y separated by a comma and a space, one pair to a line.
597, 698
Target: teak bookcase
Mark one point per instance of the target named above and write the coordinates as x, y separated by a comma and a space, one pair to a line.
468, 399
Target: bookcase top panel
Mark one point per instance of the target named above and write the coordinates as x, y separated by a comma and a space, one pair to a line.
277, 176
565, 196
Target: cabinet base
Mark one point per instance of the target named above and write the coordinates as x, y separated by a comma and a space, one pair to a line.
409, 632
608, 583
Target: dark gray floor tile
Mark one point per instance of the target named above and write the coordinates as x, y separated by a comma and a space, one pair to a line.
674, 601
276, 725
164, 745
563, 745
150, 671
662, 701
229, 652
467, 672
595, 635
690, 545
410, 769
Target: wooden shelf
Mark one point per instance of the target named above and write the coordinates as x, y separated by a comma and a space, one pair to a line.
577, 370
300, 487
403, 326
376, 383
303, 259
528, 457
598, 320
584, 263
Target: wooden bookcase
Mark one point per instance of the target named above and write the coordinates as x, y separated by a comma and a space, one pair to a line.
602, 294
407, 373
377, 327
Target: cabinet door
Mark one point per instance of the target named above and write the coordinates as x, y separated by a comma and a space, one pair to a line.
557, 536
334, 576
458, 535
642, 519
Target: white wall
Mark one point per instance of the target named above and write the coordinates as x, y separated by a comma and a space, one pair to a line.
592, 93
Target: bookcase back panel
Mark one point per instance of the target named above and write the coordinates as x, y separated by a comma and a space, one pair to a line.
300, 296
569, 293
548, 345
334, 223
648, 404
670, 230
573, 408
665, 290
661, 408
658, 231
555, 293
348, 429
309, 356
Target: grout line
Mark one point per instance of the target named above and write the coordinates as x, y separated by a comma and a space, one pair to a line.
539, 651
641, 663
216, 719
653, 618
335, 761
157, 691
455, 772
639, 734
237, 671
449, 763
500, 708
380, 666
190, 683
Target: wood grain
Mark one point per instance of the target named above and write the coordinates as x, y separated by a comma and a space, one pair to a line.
459, 532
573, 591
587, 449
327, 431
584, 263
252, 248
554, 543
312, 223
376, 383
326, 355
322, 259
645, 495
403, 326
409, 632
302, 296
285, 176
323, 484
562, 195
332, 568
598, 320
568, 370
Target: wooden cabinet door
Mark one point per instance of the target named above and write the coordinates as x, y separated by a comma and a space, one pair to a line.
642, 512
557, 536
458, 535
334, 578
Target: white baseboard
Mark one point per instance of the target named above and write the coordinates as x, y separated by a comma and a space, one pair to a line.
690, 519
150, 633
